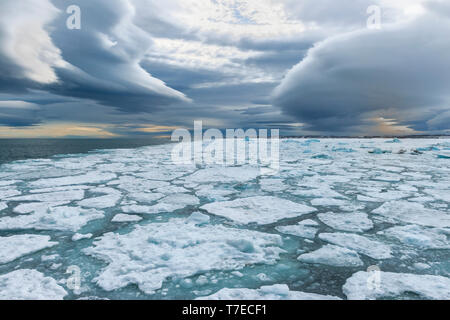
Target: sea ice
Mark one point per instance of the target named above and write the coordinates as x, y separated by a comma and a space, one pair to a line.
224, 175
58, 218
126, 218
371, 248
258, 209
273, 292
198, 218
27, 284
16, 246
90, 177
150, 254
51, 196
80, 236
29, 207
102, 202
393, 285
333, 256
348, 221
305, 229
413, 235
412, 212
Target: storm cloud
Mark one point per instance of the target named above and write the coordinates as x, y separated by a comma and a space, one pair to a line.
400, 72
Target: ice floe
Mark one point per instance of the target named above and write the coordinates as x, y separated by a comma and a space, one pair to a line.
333, 256
412, 212
305, 229
176, 249
371, 248
27, 284
347, 221
392, 285
58, 218
126, 218
273, 292
258, 209
417, 236
16, 246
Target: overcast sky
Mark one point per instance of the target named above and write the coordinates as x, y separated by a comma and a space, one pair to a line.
145, 67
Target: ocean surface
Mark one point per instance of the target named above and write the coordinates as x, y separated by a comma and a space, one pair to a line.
23, 149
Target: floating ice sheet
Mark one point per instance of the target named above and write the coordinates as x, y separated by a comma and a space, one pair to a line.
392, 285
16, 246
273, 292
176, 249
259, 209
27, 284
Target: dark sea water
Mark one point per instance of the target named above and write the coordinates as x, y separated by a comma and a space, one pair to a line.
22, 149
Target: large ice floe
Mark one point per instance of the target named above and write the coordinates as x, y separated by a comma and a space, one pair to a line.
341, 218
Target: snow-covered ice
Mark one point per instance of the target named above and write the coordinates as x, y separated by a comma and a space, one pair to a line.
176, 249
26, 284
273, 292
392, 285
305, 229
347, 221
361, 244
126, 218
16, 246
259, 209
333, 256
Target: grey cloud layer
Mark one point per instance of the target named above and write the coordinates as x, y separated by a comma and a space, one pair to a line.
400, 72
341, 74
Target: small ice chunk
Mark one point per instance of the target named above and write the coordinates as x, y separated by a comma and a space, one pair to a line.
258, 209
328, 202
80, 236
3, 206
421, 266
198, 218
395, 284
305, 229
27, 284
273, 292
371, 248
349, 221
333, 256
16, 246
126, 218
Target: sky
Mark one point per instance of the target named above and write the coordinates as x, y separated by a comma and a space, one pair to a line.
146, 67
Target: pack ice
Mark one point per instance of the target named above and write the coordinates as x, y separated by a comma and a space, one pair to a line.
139, 226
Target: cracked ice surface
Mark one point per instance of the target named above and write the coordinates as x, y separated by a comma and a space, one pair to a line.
176, 249
141, 227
